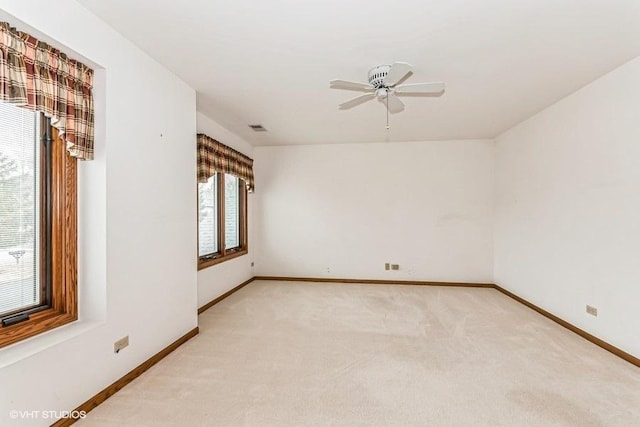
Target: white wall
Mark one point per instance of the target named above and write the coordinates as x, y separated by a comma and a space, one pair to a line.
137, 221
567, 227
344, 210
215, 280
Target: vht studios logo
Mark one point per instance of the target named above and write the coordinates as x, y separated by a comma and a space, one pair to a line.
45, 415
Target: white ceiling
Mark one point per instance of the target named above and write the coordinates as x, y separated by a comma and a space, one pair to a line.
269, 62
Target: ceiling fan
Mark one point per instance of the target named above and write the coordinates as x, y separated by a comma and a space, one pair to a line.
384, 84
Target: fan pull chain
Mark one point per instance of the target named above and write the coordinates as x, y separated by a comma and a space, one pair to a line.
387, 110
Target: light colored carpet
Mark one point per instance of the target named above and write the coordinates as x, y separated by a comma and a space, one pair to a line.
312, 354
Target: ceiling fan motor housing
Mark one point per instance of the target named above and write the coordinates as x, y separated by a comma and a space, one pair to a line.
377, 75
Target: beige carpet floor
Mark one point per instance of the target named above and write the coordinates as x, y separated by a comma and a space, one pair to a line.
311, 354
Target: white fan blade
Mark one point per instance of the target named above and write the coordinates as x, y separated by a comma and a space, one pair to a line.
357, 101
434, 87
397, 71
394, 105
344, 84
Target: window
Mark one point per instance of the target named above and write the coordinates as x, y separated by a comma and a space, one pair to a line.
225, 176
222, 219
208, 217
37, 226
231, 212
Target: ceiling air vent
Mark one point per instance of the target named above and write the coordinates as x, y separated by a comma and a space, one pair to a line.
258, 128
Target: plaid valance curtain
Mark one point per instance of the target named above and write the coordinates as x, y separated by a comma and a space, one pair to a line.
214, 156
36, 76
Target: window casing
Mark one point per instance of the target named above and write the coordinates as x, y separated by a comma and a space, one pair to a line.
44, 243
222, 219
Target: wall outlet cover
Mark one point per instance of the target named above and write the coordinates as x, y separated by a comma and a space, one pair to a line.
120, 344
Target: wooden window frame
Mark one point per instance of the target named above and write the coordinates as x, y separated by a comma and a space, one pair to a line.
61, 307
224, 254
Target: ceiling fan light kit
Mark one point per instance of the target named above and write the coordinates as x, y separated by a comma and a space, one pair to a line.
384, 84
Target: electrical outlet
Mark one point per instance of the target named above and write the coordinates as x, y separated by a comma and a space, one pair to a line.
387, 266
120, 344
592, 310
328, 270
395, 266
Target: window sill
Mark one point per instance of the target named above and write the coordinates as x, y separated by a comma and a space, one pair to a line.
38, 323
21, 350
202, 264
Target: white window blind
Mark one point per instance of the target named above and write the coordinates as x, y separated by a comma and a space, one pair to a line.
208, 217
19, 196
231, 212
